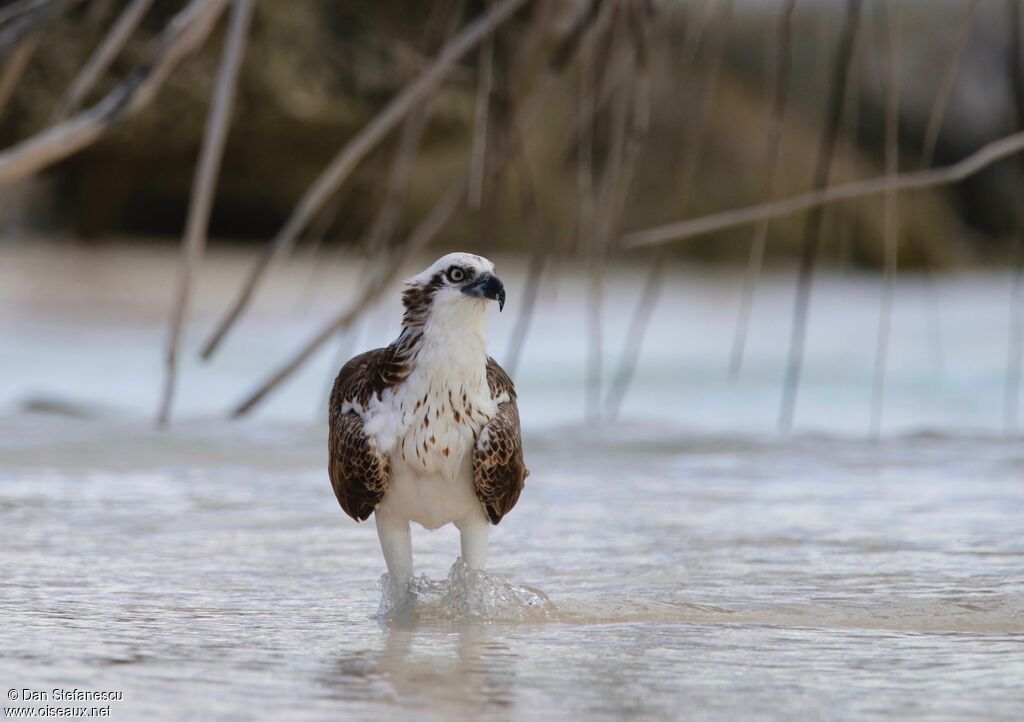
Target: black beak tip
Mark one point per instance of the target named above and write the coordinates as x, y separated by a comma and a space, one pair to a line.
487, 286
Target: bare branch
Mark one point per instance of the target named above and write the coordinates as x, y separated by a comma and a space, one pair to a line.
28, 18
204, 186
773, 141
185, 34
20, 8
356, 149
938, 111
812, 227
648, 300
102, 57
15, 66
586, 218
444, 209
893, 20
1015, 347
478, 154
535, 268
976, 162
390, 212
637, 331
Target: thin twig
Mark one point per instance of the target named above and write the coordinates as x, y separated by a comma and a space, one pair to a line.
15, 66
848, 215
102, 57
535, 268
530, 109
586, 222
355, 150
931, 137
478, 153
568, 45
634, 340
446, 207
27, 20
450, 201
942, 98
976, 162
203, 188
637, 332
184, 35
20, 8
812, 228
696, 146
317, 235
638, 19
1015, 347
893, 21
443, 24
440, 26
773, 141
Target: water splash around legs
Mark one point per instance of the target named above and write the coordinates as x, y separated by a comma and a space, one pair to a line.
466, 595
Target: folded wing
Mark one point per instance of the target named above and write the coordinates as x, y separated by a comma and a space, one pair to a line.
499, 472
359, 472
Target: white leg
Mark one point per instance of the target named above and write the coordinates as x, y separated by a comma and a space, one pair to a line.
474, 530
396, 543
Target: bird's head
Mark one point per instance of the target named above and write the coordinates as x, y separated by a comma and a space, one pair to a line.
457, 285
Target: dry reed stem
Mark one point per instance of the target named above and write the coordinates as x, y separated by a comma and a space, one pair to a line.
637, 101
478, 152
184, 35
974, 163
847, 214
16, 9
355, 150
936, 116
442, 212
773, 142
695, 148
389, 269
102, 57
204, 186
28, 21
1015, 345
654, 283
812, 227
439, 31
15, 66
535, 267
938, 110
893, 22
634, 341
585, 219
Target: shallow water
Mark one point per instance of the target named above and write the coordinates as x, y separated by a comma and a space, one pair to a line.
211, 573
684, 562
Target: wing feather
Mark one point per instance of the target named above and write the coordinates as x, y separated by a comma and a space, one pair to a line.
359, 472
499, 472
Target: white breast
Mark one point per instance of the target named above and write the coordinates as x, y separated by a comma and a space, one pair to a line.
428, 426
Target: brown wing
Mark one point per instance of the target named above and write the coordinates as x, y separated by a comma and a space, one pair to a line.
499, 473
359, 473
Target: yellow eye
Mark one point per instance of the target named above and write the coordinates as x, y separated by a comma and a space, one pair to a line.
456, 274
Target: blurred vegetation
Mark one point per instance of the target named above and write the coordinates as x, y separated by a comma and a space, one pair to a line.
316, 71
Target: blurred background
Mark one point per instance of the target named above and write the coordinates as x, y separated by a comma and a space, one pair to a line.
349, 144
765, 318
711, 66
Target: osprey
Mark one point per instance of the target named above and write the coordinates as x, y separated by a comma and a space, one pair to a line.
427, 429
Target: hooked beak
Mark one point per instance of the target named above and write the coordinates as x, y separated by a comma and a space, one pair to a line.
487, 286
